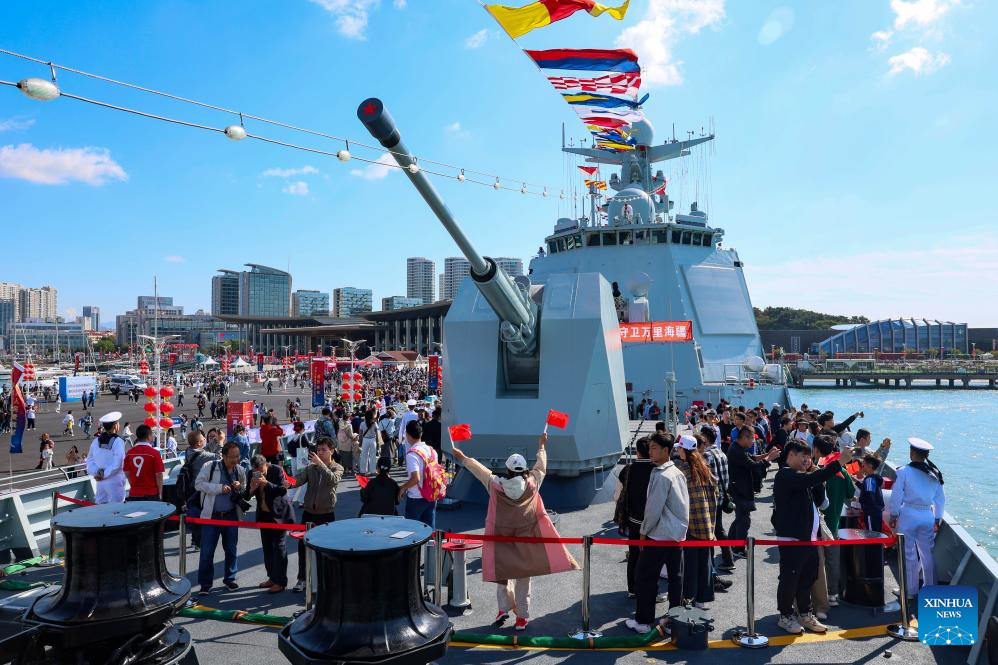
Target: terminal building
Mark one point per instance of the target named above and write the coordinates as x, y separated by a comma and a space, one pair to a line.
922, 336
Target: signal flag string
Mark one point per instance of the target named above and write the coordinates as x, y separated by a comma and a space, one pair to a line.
491, 180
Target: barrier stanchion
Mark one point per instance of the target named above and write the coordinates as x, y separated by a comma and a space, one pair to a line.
53, 560
903, 630
749, 638
438, 565
308, 571
182, 534
585, 633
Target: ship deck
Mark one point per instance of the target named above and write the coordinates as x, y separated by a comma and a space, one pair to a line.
856, 634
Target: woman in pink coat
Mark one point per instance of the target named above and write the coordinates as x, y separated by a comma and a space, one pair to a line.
516, 509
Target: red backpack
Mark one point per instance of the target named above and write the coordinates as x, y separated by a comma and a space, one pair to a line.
434, 484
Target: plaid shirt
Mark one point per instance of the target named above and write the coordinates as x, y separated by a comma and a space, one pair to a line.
719, 467
703, 507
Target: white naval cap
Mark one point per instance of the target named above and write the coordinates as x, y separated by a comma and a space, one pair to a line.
110, 418
411, 402
847, 439
516, 463
687, 442
919, 444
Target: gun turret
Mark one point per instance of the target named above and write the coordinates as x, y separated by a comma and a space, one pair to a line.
511, 305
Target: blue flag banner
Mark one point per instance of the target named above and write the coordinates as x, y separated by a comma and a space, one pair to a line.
20, 409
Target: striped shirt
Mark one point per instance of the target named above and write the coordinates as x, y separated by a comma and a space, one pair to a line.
719, 467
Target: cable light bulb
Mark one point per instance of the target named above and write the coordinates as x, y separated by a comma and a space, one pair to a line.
38, 89
343, 155
235, 132
413, 168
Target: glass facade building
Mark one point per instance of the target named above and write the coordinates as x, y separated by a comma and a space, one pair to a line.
398, 302
225, 293
309, 303
899, 336
420, 279
264, 291
349, 301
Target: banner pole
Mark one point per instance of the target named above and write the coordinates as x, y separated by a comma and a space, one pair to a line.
749, 639
585, 633
902, 631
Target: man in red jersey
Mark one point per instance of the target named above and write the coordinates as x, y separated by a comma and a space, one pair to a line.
270, 434
144, 468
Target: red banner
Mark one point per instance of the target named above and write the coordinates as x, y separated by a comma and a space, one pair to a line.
657, 331
236, 413
318, 374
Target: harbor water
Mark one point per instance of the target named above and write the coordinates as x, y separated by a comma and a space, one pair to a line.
959, 423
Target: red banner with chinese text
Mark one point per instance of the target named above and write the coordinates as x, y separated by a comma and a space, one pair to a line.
657, 331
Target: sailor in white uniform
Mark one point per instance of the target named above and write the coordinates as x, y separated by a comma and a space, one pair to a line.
106, 457
916, 510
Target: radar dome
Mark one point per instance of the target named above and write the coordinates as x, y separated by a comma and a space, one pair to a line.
631, 205
642, 131
638, 284
755, 364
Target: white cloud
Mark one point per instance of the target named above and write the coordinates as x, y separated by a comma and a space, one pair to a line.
400, 4
881, 39
57, 166
15, 124
655, 36
378, 170
918, 60
174, 258
287, 173
477, 40
939, 278
296, 188
351, 16
455, 129
919, 12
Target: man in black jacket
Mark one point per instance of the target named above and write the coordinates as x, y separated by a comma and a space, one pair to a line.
795, 518
269, 487
630, 511
742, 468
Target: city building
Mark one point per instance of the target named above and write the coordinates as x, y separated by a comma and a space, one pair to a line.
305, 302
39, 304
90, 315
513, 267
43, 337
225, 293
264, 291
198, 328
349, 301
456, 269
899, 336
398, 302
11, 291
8, 316
440, 285
154, 302
419, 278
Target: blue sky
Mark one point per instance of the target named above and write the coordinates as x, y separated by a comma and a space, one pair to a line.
853, 167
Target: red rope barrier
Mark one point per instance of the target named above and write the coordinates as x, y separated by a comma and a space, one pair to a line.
70, 499
890, 540
481, 538
669, 543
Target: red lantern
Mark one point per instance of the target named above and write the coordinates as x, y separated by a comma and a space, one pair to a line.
166, 392
357, 397
150, 392
151, 422
165, 407
150, 407
357, 376
346, 385
358, 386
346, 396
165, 423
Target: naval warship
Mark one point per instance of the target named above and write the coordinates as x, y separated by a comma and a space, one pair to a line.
669, 270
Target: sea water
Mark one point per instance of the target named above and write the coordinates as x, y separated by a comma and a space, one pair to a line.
961, 424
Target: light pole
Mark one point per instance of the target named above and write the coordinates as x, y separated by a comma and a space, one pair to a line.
157, 346
353, 344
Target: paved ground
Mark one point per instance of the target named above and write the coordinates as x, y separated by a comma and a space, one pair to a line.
555, 608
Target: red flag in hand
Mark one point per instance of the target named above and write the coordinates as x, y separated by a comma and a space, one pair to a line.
459, 432
362, 481
557, 419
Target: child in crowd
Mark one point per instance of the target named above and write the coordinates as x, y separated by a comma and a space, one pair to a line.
871, 496
381, 495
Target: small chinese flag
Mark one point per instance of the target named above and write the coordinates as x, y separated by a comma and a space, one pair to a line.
459, 432
362, 480
557, 419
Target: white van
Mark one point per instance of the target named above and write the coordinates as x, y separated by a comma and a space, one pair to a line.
126, 382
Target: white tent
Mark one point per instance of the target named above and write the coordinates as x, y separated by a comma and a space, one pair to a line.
209, 362
240, 363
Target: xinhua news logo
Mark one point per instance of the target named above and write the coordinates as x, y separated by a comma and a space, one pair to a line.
947, 614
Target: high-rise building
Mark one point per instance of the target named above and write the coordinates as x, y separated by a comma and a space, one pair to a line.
399, 302
264, 291
8, 316
350, 301
440, 286
513, 267
225, 293
91, 317
419, 279
39, 304
456, 268
306, 302
161, 304
11, 291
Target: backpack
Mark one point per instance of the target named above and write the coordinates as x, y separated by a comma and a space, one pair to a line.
185, 480
434, 485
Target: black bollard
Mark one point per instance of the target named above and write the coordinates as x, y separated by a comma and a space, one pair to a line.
369, 607
117, 596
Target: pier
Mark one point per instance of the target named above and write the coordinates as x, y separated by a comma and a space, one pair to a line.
983, 378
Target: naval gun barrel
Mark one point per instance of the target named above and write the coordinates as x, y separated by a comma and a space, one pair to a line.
506, 299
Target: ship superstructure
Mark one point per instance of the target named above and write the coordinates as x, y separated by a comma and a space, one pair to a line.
666, 266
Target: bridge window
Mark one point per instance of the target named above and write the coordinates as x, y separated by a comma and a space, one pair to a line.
569, 242
641, 237
686, 237
561, 244
609, 239
675, 237
592, 240
552, 247
625, 238
697, 239
660, 237
708, 240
